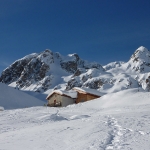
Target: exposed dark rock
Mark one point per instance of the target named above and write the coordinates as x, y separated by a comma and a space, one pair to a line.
147, 81
69, 66
96, 84
86, 77
73, 83
93, 65
78, 72
13, 72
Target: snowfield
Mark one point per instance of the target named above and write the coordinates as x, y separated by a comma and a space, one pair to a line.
11, 98
118, 121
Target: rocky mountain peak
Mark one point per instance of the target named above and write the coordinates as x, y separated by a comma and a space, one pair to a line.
141, 53
142, 49
39, 72
140, 60
46, 57
74, 57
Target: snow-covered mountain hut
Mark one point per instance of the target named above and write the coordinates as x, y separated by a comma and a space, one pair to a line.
86, 94
60, 98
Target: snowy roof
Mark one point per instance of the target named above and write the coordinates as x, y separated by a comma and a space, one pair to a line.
71, 93
88, 90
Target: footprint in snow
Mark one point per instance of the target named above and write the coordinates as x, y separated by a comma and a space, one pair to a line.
116, 134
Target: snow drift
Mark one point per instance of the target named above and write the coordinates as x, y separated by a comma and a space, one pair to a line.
130, 97
11, 98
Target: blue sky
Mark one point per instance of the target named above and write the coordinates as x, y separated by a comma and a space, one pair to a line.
97, 30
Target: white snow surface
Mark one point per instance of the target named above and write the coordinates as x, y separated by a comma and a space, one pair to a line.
113, 65
71, 93
90, 91
11, 98
117, 121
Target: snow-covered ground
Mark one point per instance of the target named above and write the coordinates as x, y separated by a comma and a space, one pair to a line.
11, 98
115, 121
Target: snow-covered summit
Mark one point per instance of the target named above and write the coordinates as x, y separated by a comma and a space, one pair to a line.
136, 69
43, 71
140, 60
142, 53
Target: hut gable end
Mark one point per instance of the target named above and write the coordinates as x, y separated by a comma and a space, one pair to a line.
61, 98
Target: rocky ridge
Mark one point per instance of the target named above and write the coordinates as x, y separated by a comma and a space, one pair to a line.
49, 70
38, 72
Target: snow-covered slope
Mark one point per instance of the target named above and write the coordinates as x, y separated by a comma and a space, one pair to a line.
117, 121
123, 98
113, 65
11, 98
